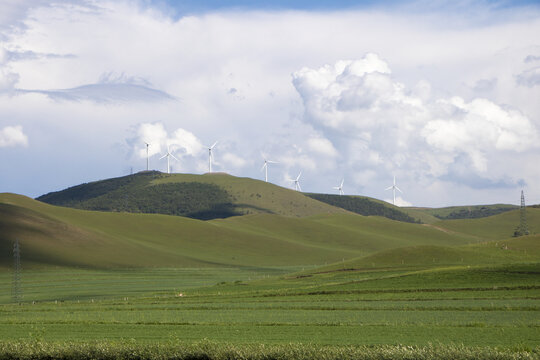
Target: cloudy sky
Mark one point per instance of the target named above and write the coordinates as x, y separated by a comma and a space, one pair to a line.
443, 95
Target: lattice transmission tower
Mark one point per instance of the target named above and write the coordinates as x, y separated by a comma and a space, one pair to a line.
16, 282
522, 229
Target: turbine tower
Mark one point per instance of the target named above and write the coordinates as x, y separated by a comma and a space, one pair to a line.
394, 188
147, 157
297, 182
168, 155
265, 167
210, 156
340, 187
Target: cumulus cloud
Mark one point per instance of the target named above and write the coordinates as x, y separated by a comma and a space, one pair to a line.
386, 126
13, 136
181, 143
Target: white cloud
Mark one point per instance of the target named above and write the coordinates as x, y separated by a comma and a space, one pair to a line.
382, 126
529, 78
399, 202
8, 80
363, 119
13, 136
233, 160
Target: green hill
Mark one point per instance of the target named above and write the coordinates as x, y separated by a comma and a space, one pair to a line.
515, 250
468, 212
204, 197
61, 236
495, 227
364, 206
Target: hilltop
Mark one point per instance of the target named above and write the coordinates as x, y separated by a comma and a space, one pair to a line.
208, 196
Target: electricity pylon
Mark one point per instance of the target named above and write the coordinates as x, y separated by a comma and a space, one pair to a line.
16, 283
522, 229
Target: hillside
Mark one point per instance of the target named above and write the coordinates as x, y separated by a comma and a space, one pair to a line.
61, 236
496, 227
468, 212
204, 197
364, 206
515, 250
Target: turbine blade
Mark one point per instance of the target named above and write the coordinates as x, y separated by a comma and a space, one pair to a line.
341, 183
163, 156
399, 190
262, 168
299, 187
272, 162
211, 147
298, 178
389, 188
174, 157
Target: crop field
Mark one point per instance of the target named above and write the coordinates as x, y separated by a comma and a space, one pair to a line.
482, 306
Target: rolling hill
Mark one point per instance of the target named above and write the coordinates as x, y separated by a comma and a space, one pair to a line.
204, 197
60, 236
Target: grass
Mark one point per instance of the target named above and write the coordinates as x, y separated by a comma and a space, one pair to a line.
207, 196
210, 350
486, 306
107, 285
58, 236
497, 227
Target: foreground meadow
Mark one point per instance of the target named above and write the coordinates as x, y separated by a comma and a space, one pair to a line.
494, 309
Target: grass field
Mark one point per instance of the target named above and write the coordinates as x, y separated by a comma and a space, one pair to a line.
495, 306
266, 286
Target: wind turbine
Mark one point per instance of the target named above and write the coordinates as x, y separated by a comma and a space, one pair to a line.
210, 156
394, 188
168, 155
265, 167
147, 157
297, 182
340, 187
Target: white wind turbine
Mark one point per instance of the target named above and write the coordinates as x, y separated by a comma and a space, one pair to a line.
297, 182
340, 187
210, 156
168, 155
147, 157
394, 188
265, 167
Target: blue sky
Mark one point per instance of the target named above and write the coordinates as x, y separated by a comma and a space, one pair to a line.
443, 95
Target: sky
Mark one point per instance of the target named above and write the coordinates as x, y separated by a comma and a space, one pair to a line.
443, 95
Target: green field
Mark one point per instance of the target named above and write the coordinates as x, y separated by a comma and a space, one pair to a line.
274, 284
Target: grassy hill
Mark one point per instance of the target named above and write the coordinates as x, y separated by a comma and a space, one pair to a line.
468, 212
495, 227
61, 236
365, 206
515, 250
202, 197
